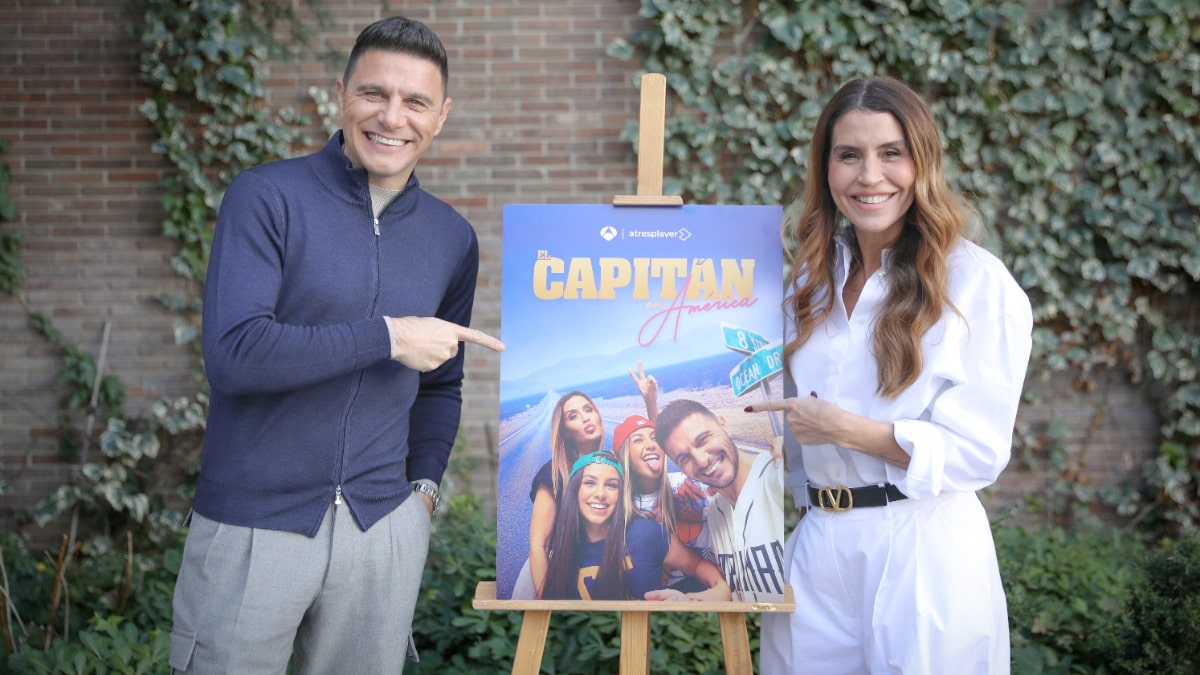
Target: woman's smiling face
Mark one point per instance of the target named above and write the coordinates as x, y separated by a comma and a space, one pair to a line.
871, 174
645, 457
598, 496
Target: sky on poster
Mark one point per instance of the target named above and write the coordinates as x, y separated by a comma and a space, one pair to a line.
548, 339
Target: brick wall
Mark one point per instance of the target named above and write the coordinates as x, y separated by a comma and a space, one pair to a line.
538, 111
86, 190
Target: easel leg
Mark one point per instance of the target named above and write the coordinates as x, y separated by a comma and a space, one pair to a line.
635, 643
534, 626
737, 644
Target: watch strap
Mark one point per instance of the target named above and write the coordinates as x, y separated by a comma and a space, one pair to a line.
430, 488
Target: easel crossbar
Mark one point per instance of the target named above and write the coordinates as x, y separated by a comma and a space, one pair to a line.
485, 599
635, 626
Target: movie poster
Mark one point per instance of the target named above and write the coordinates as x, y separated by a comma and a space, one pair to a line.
636, 336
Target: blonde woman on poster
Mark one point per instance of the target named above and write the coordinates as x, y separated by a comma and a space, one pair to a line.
668, 497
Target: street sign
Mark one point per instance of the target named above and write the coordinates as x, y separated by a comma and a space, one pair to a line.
742, 340
757, 367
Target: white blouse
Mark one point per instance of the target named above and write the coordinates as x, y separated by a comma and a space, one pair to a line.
956, 420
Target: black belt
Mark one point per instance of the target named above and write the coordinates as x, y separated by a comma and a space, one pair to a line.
846, 498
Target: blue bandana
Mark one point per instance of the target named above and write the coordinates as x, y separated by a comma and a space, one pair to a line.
596, 458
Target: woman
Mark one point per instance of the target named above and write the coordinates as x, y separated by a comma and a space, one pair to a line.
670, 498
596, 555
576, 429
913, 342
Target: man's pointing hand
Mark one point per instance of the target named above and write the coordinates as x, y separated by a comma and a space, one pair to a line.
424, 343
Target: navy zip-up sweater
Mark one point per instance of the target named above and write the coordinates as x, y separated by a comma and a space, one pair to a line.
306, 402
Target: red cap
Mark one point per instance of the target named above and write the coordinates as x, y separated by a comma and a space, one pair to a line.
630, 425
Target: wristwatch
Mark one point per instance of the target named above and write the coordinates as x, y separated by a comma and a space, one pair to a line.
430, 488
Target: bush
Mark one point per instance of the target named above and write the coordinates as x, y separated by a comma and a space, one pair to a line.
1096, 601
453, 637
110, 645
1063, 591
113, 614
1085, 601
1159, 631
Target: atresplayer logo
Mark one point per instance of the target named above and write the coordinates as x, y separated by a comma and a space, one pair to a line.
682, 234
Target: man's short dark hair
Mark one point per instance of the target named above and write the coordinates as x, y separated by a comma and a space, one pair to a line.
404, 36
676, 412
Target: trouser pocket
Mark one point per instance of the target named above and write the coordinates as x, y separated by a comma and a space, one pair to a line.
412, 650
183, 645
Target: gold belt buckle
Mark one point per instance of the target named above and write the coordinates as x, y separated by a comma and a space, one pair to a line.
830, 498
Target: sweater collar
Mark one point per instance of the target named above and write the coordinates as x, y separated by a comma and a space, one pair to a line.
333, 168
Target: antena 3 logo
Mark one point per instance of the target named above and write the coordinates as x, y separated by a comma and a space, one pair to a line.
608, 232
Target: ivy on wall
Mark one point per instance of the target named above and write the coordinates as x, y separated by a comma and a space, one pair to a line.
11, 272
1076, 130
204, 61
77, 378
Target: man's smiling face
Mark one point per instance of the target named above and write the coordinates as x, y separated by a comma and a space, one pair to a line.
703, 450
392, 107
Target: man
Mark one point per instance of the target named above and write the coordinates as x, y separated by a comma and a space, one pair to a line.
745, 516
338, 293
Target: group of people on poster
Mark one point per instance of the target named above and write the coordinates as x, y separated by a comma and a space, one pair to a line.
673, 510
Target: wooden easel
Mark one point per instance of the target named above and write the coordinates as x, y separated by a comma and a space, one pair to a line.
635, 626
635, 614
651, 136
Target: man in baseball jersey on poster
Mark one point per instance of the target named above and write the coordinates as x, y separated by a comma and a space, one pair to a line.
745, 516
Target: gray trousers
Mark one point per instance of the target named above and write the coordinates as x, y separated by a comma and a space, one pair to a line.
249, 599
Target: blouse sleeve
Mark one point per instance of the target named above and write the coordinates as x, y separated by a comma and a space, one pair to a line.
963, 439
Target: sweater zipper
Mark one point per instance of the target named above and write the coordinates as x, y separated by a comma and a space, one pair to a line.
337, 492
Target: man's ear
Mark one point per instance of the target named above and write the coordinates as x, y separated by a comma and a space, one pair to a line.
442, 115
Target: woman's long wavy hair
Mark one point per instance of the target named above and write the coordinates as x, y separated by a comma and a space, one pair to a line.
666, 496
563, 572
917, 270
563, 452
